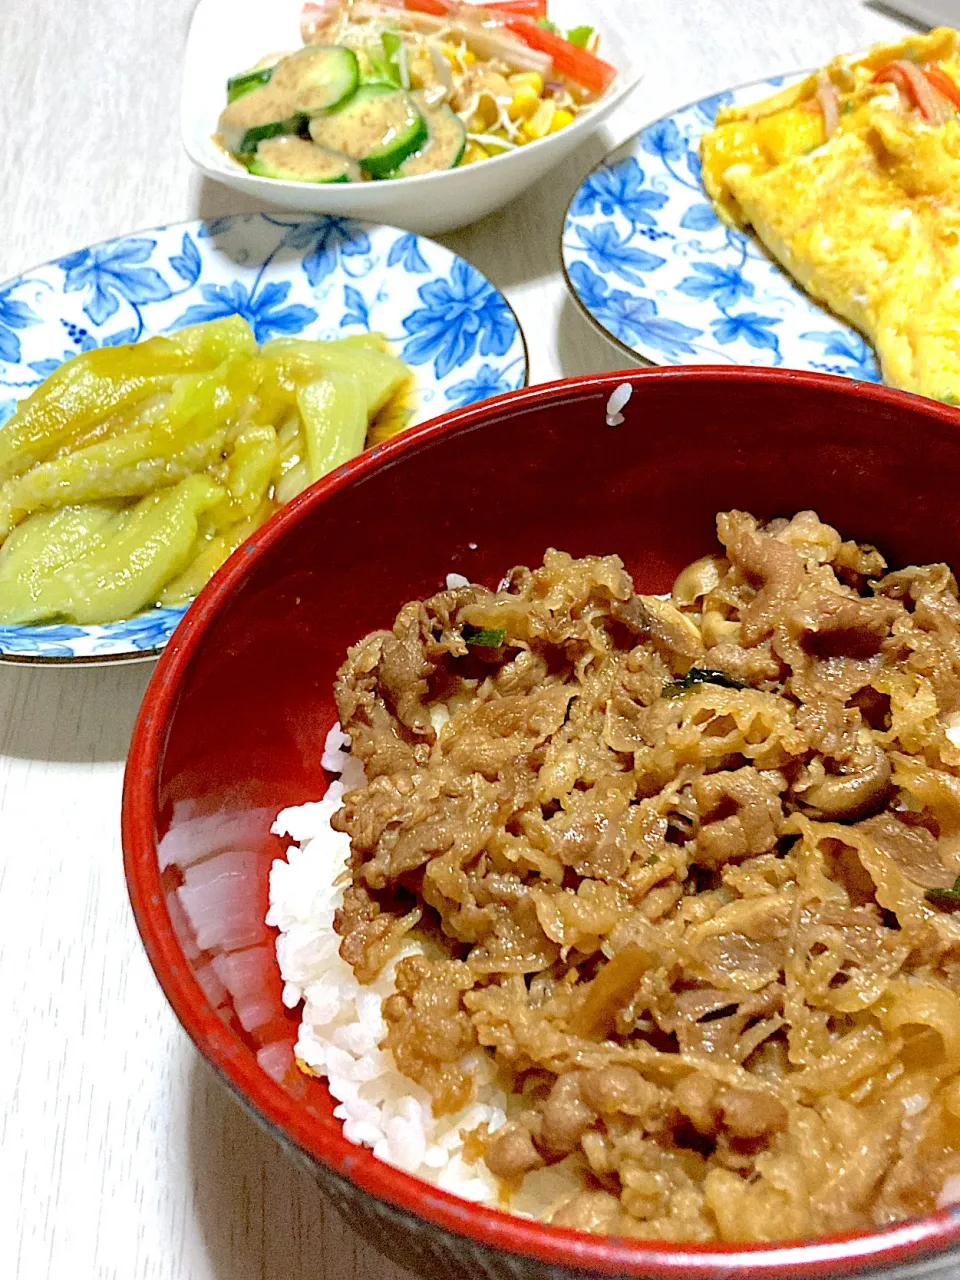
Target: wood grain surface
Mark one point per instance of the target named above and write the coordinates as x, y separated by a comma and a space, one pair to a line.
120, 1156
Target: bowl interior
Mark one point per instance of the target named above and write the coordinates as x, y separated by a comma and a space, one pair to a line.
233, 724
228, 35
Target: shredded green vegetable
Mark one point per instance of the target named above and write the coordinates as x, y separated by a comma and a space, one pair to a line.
948, 899
697, 676
483, 638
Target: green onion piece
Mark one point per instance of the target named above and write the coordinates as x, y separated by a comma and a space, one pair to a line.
580, 36
548, 25
697, 676
948, 899
483, 638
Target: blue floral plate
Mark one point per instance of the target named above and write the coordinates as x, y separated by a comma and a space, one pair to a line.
654, 268
317, 278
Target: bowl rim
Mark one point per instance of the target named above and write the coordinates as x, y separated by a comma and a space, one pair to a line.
627, 80
851, 1253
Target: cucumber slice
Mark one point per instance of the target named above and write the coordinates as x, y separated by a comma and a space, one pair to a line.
247, 81
296, 160
380, 126
262, 113
318, 78
445, 145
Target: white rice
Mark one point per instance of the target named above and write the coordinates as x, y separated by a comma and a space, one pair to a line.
342, 1024
617, 403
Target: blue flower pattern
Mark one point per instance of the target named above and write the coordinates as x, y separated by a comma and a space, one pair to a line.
630, 318
619, 189
113, 273
330, 243
489, 381
14, 315
357, 312
459, 316
612, 253
287, 276
724, 285
750, 327
709, 293
663, 139
853, 358
406, 250
263, 309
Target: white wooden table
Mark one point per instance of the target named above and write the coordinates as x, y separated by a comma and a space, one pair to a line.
120, 1157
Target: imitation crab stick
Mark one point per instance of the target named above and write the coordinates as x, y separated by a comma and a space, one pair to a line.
917, 87
943, 83
569, 60
519, 8
535, 9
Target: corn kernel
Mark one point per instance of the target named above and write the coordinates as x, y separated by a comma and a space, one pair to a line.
492, 147
474, 152
494, 83
468, 57
560, 120
486, 115
538, 126
422, 72
524, 104
532, 79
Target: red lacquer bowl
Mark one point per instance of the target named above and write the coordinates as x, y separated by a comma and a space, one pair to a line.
233, 723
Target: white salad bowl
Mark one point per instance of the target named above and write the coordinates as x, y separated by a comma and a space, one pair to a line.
227, 36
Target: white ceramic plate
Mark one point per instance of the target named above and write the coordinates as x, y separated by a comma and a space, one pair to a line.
315, 278
653, 267
228, 35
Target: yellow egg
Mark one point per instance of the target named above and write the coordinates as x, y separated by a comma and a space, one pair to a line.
867, 221
790, 133
735, 143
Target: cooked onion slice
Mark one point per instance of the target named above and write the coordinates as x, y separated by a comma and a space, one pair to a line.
829, 100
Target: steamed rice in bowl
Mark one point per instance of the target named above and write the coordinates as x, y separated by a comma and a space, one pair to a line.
342, 1025
678, 956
